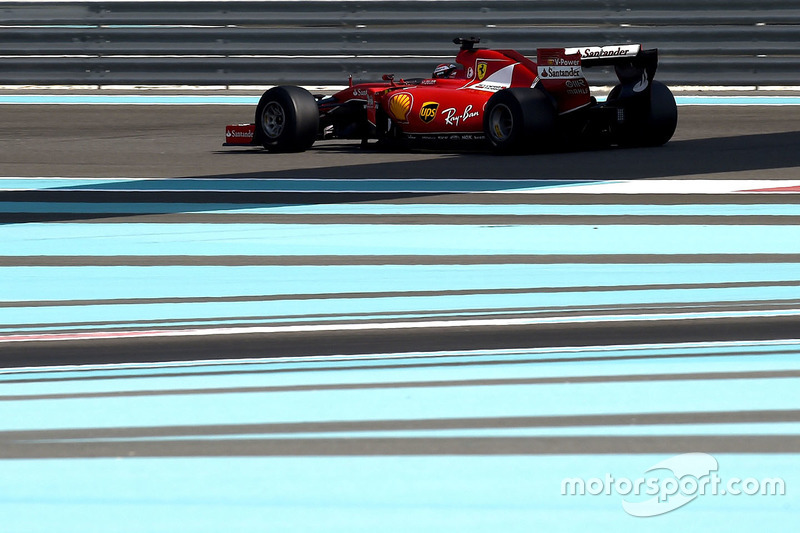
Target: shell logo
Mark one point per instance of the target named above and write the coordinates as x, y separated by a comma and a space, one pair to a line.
400, 106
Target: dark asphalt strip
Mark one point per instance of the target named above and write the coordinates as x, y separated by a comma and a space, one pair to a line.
402, 446
423, 424
320, 343
98, 374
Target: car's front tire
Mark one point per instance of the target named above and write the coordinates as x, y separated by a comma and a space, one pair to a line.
287, 119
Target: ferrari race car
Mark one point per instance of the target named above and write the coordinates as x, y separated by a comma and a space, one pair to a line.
499, 97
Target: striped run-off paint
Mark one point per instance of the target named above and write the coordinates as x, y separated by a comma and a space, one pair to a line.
472, 439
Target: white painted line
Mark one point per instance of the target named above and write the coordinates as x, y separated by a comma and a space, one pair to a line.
657, 186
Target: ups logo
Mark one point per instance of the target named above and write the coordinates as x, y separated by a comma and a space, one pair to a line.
428, 111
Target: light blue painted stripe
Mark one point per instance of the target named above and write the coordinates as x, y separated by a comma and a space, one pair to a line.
400, 403
415, 402
131, 99
23, 184
641, 430
354, 494
408, 209
408, 320
282, 185
437, 371
14, 319
738, 100
222, 99
103, 283
46, 239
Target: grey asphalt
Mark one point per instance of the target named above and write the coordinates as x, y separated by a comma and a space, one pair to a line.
186, 141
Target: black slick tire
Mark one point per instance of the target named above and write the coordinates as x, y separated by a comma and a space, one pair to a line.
287, 119
648, 123
519, 120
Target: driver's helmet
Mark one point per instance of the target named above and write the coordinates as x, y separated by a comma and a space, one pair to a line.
445, 70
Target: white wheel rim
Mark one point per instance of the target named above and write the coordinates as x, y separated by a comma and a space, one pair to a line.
273, 120
501, 122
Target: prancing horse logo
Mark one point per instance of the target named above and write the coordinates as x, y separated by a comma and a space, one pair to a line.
481, 71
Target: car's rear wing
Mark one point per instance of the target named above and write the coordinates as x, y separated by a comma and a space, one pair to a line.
605, 55
634, 66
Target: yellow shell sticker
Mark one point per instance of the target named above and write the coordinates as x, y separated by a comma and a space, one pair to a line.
400, 106
481, 70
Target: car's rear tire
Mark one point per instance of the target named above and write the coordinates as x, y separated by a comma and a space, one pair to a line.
519, 120
652, 123
287, 119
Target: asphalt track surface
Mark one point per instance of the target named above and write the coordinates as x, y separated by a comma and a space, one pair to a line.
466, 416
184, 142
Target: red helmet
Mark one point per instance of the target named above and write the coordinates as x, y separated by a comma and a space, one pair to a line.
445, 70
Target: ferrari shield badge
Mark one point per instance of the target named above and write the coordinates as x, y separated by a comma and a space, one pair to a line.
481, 70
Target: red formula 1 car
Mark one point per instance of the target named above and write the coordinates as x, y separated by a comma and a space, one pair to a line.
499, 97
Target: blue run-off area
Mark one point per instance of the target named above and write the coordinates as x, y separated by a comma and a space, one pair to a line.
274, 409
270, 240
393, 442
152, 297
